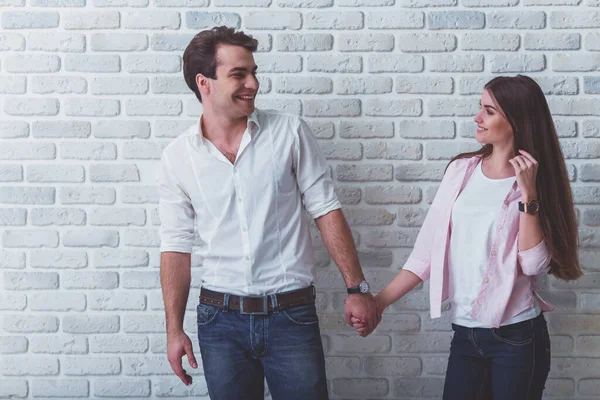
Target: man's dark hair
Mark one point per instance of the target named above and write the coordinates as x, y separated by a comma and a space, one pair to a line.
199, 56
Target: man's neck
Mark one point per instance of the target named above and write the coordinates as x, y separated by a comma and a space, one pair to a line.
219, 128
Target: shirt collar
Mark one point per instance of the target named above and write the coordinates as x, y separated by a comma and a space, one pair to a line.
253, 126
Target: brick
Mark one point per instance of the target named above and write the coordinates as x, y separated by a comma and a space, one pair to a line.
359, 388
516, 19
91, 20
393, 108
118, 344
30, 238
366, 129
551, 2
341, 151
30, 280
574, 19
48, 301
181, 3
31, 63
441, 129
489, 3
27, 195
303, 85
336, 63
60, 388
57, 258
420, 172
167, 41
590, 302
169, 85
589, 386
77, 107
273, 20
12, 260
121, 129
60, 42
58, 3
13, 85
141, 238
29, 365
12, 41
116, 301
452, 63
61, 129
424, 85
13, 344
431, 343
119, 85
552, 41
57, 216
122, 388
490, 41
586, 195
572, 107
13, 129
87, 195
141, 280
454, 107
139, 195
92, 63
371, 216
120, 3
153, 107
30, 323
346, 344
90, 238
592, 41
31, 106
591, 128
332, 108
144, 323
367, 3
142, 151
591, 85
446, 151
114, 173
589, 173
90, 324
13, 216
29, 20
165, 387
119, 42
55, 173
366, 85
13, 388
88, 151
583, 367
153, 365
11, 173
304, 42
207, 20
89, 280
575, 63
393, 151
279, 63
364, 172
59, 85
280, 3
91, 366
428, 387
389, 239
159, 19
395, 20
333, 20
426, 42
455, 20
391, 366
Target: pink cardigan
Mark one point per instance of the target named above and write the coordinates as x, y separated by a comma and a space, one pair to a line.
508, 286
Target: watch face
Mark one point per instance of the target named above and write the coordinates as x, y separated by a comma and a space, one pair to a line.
533, 207
364, 287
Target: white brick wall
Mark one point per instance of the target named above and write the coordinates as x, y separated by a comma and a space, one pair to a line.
91, 91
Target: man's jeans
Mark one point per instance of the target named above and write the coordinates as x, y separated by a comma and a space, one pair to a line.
239, 351
508, 363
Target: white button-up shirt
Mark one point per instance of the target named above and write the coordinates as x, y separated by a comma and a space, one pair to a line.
250, 215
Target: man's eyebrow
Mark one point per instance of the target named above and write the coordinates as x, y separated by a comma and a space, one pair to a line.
242, 69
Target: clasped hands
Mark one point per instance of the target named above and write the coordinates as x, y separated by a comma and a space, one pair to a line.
363, 313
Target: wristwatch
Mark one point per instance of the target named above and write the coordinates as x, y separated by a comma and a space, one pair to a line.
362, 288
531, 207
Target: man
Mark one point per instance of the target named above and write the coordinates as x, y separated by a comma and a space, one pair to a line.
245, 179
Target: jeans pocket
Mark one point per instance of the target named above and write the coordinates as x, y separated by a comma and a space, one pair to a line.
514, 336
206, 314
302, 315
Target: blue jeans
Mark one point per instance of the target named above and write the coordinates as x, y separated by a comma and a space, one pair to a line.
239, 351
508, 363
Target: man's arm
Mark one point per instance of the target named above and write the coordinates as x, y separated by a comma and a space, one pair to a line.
175, 278
337, 237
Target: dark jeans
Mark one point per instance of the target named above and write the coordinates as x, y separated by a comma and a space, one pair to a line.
239, 351
507, 363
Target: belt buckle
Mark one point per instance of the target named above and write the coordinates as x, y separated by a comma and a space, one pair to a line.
265, 308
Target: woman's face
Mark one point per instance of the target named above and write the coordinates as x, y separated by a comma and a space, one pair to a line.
492, 126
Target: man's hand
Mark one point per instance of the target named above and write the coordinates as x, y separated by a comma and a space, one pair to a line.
363, 308
179, 345
361, 326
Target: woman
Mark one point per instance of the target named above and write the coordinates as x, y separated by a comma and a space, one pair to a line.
502, 216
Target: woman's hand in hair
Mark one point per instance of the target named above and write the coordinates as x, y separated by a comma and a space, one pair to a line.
526, 171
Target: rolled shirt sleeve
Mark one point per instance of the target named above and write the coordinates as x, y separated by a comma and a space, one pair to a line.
312, 174
175, 210
536, 260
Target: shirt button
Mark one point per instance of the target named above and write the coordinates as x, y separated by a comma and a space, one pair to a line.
506, 202
493, 253
239, 199
247, 258
244, 228
486, 280
499, 227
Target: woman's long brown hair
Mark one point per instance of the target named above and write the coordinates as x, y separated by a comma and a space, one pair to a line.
524, 105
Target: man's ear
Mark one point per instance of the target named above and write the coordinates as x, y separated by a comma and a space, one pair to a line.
202, 83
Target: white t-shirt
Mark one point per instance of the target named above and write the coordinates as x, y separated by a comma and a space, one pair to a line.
474, 217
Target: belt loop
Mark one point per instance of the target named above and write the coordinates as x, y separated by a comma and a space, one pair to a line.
274, 304
225, 302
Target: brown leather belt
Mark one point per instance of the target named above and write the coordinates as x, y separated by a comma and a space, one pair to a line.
262, 305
